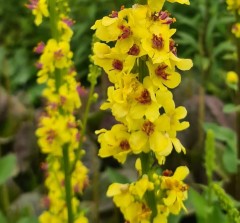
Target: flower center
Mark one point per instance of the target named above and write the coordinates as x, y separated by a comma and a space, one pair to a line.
172, 47
148, 127
124, 145
160, 71
126, 32
51, 134
58, 54
157, 42
117, 65
134, 50
144, 98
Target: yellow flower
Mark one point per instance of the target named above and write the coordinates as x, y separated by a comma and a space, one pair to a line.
79, 177
113, 63
141, 186
232, 77
144, 102
81, 219
157, 43
176, 190
233, 5
150, 136
162, 75
66, 31
114, 143
121, 195
162, 215
56, 55
50, 134
39, 9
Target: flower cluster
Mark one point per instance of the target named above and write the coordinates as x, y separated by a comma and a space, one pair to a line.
233, 5
59, 131
142, 64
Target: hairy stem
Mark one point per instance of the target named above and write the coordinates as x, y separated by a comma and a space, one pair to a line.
67, 183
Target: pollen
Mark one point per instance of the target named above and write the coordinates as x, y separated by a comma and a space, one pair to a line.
148, 127
157, 42
117, 65
126, 32
144, 98
160, 71
58, 54
134, 50
51, 134
124, 145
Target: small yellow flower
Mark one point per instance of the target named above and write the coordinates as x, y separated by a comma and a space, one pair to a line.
236, 30
176, 190
39, 9
233, 5
115, 143
232, 77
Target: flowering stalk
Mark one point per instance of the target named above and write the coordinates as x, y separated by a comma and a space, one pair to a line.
59, 131
233, 80
142, 66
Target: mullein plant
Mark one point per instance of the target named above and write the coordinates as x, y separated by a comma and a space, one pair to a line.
60, 134
233, 81
137, 52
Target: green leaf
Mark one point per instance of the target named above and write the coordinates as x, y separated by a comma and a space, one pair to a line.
116, 177
217, 215
2, 218
223, 134
210, 31
200, 205
31, 219
223, 47
7, 166
230, 160
229, 108
188, 39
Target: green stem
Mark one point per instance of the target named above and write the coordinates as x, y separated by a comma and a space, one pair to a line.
4, 198
146, 163
4, 194
67, 183
53, 19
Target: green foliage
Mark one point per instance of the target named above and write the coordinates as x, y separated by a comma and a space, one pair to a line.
203, 38
115, 176
28, 220
228, 137
2, 218
7, 166
230, 108
210, 154
227, 203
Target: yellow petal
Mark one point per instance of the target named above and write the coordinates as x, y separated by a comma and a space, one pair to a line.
181, 172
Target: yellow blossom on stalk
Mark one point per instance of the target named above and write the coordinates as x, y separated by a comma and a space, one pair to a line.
236, 30
232, 77
141, 62
114, 143
59, 130
39, 10
162, 75
233, 5
175, 189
